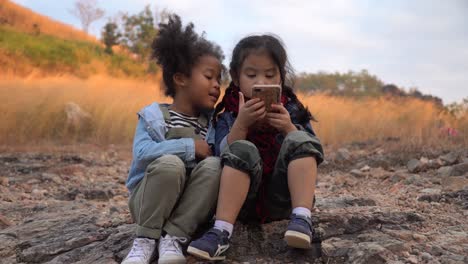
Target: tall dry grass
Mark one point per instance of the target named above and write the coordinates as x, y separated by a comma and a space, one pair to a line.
29, 21
33, 111
409, 120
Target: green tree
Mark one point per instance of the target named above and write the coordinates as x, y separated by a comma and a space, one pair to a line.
139, 31
110, 36
349, 84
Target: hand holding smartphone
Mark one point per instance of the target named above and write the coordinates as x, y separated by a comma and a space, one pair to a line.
269, 93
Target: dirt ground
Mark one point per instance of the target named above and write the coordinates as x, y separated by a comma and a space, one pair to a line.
376, 203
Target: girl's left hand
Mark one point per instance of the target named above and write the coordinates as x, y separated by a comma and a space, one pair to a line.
280, 119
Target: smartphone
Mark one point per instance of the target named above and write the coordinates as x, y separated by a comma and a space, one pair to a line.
269, 93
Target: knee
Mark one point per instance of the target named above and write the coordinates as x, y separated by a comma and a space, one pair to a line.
244, 150
299, 144
296, 138
209, 170
243, 155
166, 168
210, 164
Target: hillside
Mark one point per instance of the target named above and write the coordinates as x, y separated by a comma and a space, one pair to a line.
26, 20
32, 43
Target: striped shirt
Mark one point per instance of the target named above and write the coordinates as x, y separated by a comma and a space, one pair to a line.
182, 120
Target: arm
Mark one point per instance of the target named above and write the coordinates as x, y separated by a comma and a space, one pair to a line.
221, 132
145, 148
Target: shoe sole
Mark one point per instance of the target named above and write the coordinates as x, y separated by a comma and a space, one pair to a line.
203, 254
172, 261
297, 239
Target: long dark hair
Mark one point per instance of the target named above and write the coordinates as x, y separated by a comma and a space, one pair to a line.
275, 49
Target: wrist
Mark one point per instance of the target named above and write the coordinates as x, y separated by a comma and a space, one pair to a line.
289, 129
240, 127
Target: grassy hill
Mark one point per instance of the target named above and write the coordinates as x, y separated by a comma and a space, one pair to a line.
26, 20
32, 43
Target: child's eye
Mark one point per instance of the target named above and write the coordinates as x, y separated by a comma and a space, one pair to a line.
270, 76
208, 77
251, 75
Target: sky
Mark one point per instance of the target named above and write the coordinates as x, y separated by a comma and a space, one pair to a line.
419, 43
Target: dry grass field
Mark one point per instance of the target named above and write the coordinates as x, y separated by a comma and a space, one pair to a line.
35, 110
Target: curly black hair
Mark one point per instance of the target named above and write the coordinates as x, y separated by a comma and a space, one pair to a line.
177, 49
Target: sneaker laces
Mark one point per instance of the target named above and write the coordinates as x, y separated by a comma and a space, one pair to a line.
172, 244
141, 248
212, 235
297, 218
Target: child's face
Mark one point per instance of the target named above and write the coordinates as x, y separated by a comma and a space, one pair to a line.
257, 68
203, 87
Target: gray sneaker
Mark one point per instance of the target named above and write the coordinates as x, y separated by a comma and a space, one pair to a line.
170, 250
142, 251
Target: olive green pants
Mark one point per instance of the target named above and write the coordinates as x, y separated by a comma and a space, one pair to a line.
243, 155
174, 199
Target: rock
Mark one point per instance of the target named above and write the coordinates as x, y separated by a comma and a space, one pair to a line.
450, 158
366, 168
431, 191
76, 116
336, 247
459, 169
65, 237
398, 176
98, 194
73, 209
4, 222
413, 259
430, 198
343, 202
369, 252
430, 195
357, 173
459, 197
454, 183
8, 242
444, 171
51, 177
424, 160
414, 179
426, 256
37, 193
419, 237
4, 181
414, 165
343, 154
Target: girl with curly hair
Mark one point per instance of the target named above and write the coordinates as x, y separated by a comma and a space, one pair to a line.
174, 180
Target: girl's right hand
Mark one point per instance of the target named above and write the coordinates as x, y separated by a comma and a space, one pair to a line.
249, 112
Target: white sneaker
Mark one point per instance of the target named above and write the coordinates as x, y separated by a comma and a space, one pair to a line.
141, 252
170, 250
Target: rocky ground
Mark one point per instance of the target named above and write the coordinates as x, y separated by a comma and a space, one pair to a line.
375, 204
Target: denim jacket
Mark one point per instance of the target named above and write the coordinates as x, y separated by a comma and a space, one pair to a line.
150, 143
226, 120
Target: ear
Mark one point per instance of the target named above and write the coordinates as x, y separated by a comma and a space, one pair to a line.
234, 77
180, 80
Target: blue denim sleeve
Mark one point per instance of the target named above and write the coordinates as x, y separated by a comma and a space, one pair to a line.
308, 128
221, 131
145, 148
